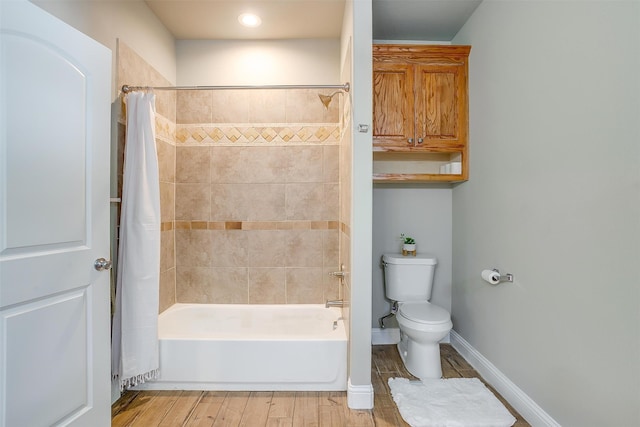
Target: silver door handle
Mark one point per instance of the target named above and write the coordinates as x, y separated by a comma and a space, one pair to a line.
102, 264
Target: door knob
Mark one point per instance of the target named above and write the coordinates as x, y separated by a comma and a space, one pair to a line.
102, 264
410, 140
420, 140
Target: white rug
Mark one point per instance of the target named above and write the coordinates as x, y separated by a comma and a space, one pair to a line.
453, 402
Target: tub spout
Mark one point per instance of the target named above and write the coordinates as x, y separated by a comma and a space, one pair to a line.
334, 303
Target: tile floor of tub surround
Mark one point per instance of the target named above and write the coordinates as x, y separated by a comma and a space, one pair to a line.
284, 408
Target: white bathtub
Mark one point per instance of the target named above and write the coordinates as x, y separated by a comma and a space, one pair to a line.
251, 347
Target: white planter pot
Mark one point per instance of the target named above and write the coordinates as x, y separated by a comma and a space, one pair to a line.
409, 247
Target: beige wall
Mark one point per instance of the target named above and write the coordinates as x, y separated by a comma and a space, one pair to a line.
256, 197
258, 62
553, 197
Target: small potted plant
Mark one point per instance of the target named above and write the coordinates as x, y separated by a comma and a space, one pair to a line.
408, 245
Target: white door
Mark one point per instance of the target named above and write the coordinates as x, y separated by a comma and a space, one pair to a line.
54, 222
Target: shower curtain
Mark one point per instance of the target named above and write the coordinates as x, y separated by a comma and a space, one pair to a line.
134, 344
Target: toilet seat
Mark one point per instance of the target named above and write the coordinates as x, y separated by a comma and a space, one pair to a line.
424, 312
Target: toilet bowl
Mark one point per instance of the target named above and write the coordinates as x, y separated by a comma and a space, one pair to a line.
422, 326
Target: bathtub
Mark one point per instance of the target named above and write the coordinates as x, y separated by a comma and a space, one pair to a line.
251, 347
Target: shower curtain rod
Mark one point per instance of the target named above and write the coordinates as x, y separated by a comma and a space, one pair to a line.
126, 88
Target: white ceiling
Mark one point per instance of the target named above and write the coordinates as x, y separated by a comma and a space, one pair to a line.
432, 20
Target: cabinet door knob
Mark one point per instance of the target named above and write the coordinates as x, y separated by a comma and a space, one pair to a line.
410, 140
420, 140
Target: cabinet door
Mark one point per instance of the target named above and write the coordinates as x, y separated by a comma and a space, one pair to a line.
441, 106
393, 106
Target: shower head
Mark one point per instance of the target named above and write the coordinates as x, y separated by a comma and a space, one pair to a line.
326, 99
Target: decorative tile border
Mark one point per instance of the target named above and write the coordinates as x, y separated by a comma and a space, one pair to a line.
256, 225
251, 225
246, 133
165, 129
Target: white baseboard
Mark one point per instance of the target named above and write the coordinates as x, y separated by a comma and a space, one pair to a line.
386, 336
522, 403
359, 396
381, 336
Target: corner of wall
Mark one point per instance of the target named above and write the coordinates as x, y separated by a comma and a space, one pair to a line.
359, 396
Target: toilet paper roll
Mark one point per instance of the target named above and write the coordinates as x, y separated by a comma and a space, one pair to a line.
491, 276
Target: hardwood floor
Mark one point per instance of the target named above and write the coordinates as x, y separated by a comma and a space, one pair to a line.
293, 409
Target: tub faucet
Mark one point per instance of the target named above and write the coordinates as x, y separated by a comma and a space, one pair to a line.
334, 303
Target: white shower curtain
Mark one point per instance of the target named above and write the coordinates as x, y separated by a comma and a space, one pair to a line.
135, 324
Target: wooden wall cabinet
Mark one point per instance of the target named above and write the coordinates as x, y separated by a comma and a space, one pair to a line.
420, 106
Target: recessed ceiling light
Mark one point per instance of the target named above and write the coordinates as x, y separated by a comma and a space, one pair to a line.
250, 20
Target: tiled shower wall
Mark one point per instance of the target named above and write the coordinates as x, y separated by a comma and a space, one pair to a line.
257, 197
250, 193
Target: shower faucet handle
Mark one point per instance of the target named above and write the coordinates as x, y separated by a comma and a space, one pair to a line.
340, 273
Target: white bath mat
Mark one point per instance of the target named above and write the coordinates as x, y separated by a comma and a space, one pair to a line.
453, 402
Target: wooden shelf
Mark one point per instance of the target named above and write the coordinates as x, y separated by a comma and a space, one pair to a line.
425, 177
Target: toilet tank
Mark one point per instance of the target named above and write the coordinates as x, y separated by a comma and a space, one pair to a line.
408, 278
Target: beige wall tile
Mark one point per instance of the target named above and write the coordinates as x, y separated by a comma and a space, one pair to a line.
167, 201
304, 286
331, 205
230, 106
193, 164
330, 245
166, 161
193, 285
305, 163
267, 286
304, 105
166, 103
330, 162
305, 201
230, 286
194, 106
193, 202
167, 295
266, 248
228, 248
304, 248
267, 106
247, 202
167, 250
248, 164
212, 285
193, 248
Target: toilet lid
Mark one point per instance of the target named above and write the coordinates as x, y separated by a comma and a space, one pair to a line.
424, 312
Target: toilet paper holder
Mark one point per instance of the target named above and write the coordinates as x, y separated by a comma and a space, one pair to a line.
506, 278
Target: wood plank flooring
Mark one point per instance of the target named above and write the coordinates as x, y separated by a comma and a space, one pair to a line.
280, 409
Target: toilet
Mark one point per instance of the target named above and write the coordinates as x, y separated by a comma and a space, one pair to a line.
408, 283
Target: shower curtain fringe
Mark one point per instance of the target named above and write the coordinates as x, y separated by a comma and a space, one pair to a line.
127, 88
138, 379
